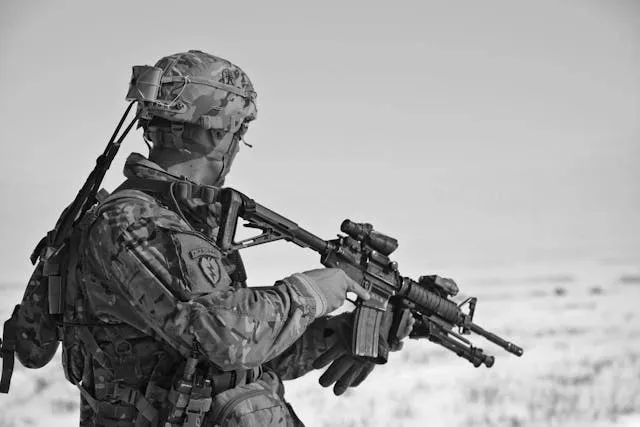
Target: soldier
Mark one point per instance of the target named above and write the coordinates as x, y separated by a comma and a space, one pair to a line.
163, 329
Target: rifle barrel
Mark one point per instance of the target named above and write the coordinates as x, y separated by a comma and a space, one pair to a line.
509, 346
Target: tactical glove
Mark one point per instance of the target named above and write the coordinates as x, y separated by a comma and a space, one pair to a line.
328, 287
347, 370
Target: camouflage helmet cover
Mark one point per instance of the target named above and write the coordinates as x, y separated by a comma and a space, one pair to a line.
202, 89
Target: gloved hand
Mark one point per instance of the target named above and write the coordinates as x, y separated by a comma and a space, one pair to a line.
347, 370
328, 287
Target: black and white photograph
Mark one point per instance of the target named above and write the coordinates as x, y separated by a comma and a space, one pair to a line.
338, 213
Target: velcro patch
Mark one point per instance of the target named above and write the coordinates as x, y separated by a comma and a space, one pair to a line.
210, 268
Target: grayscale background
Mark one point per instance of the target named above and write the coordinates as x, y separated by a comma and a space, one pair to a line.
498, 140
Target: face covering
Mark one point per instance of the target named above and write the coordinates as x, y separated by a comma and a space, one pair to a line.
224, 152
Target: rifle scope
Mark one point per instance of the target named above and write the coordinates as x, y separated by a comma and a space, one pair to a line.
364, 232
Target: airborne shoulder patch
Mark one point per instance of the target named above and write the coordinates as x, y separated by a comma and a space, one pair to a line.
210, 268
200, 262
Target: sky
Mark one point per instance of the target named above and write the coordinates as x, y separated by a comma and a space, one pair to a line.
486, 133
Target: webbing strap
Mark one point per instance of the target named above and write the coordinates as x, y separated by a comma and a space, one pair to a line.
38, 249
93, 348
124, 393
133, 397
146, 409
224, 381
8, 363
7, 349
92, 401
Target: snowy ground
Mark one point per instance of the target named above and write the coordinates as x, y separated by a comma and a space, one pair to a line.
579, 325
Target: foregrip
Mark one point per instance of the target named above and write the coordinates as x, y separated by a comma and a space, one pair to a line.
429, 302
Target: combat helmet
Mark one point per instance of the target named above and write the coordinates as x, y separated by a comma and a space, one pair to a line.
193, 87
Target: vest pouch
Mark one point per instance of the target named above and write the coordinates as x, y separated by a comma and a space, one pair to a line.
255, 404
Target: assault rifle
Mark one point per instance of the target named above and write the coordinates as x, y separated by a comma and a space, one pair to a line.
363, 254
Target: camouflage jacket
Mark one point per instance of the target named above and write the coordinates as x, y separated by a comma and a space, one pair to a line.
157, 278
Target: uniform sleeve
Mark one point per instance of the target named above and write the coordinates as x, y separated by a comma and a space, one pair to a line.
298, 359
173, 279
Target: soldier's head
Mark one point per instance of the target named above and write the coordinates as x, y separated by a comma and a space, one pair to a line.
195, 110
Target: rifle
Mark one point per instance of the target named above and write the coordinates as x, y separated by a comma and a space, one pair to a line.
363, 254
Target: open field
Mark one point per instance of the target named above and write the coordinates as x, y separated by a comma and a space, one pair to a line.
579, 324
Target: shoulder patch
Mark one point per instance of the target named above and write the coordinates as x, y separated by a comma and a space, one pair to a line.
210, 268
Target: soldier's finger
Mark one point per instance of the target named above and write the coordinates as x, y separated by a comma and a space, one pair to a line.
396, 345
335, 371
328, 356
409, 328
406, 324
357, 289
367, 368
346, 381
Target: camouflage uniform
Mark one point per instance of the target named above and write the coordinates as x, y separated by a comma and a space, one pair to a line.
154, 281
